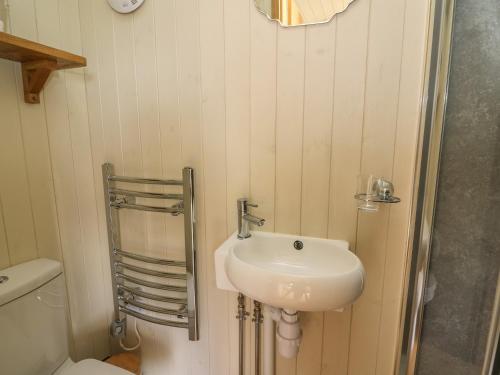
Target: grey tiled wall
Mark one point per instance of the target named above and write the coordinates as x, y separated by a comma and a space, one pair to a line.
466, 243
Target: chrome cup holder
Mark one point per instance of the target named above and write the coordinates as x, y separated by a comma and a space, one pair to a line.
374, 190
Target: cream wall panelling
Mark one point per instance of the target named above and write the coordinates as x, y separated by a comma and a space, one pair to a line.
288, 117
54, 212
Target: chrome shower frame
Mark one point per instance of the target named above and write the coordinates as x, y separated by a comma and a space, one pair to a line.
424, 196
426, 180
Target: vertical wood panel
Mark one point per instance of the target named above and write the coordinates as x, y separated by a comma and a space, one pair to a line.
104, 115
381, 100
289, 128
36, 148
14, 164
237, 73
405, 151
144, 48
126, 89
349, 88
57, 114
168, 98
237, 86
289, 136
22, 18
147, 102
14, 189
171, 145
93, 100
318, 112
133, 228
132, 223
106, 61
102, 98
83, 170
262, 127
263, 116
188, 47
87, 212
214, 142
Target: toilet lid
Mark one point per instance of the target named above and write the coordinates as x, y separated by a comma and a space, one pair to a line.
91, 366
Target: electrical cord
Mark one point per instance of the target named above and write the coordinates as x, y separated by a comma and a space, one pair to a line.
137, 335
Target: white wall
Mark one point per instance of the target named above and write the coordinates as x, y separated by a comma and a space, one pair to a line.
288, 117
48, 205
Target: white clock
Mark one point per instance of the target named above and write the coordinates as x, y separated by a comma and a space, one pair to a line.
125, 6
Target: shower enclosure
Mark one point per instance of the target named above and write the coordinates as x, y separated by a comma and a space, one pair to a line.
451, 323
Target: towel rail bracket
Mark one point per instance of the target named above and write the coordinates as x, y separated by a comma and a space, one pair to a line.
118, 328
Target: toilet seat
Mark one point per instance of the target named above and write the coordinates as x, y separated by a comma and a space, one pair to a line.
94, 367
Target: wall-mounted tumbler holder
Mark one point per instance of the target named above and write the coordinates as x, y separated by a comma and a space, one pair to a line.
374, 190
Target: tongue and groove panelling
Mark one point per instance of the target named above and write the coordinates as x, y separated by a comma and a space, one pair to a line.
286, 117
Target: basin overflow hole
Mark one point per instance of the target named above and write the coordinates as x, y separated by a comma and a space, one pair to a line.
298, 245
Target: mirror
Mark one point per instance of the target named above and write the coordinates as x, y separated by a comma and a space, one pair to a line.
301, 12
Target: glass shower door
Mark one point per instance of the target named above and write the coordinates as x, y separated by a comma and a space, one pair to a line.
465, 256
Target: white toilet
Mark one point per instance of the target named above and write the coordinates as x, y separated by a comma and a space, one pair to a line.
33, 324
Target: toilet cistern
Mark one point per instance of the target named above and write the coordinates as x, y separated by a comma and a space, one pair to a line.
244, 218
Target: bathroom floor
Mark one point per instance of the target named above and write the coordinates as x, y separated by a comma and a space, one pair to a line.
127, 361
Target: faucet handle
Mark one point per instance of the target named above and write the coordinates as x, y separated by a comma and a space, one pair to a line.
243, 204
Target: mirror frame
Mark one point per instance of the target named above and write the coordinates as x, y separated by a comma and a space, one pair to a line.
277, 20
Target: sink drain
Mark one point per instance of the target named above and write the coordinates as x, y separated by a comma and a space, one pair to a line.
3, 279
298, 245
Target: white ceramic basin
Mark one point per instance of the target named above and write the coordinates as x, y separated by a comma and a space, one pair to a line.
324, 275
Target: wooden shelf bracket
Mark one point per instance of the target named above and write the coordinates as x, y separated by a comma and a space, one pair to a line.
37, 62
35, 74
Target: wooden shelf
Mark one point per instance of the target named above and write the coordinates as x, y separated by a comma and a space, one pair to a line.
37, 62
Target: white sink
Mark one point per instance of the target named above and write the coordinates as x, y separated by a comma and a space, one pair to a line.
323, 275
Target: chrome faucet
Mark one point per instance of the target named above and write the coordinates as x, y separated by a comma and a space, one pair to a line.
244, 218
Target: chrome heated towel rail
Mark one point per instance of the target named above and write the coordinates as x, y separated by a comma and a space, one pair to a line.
145, 297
